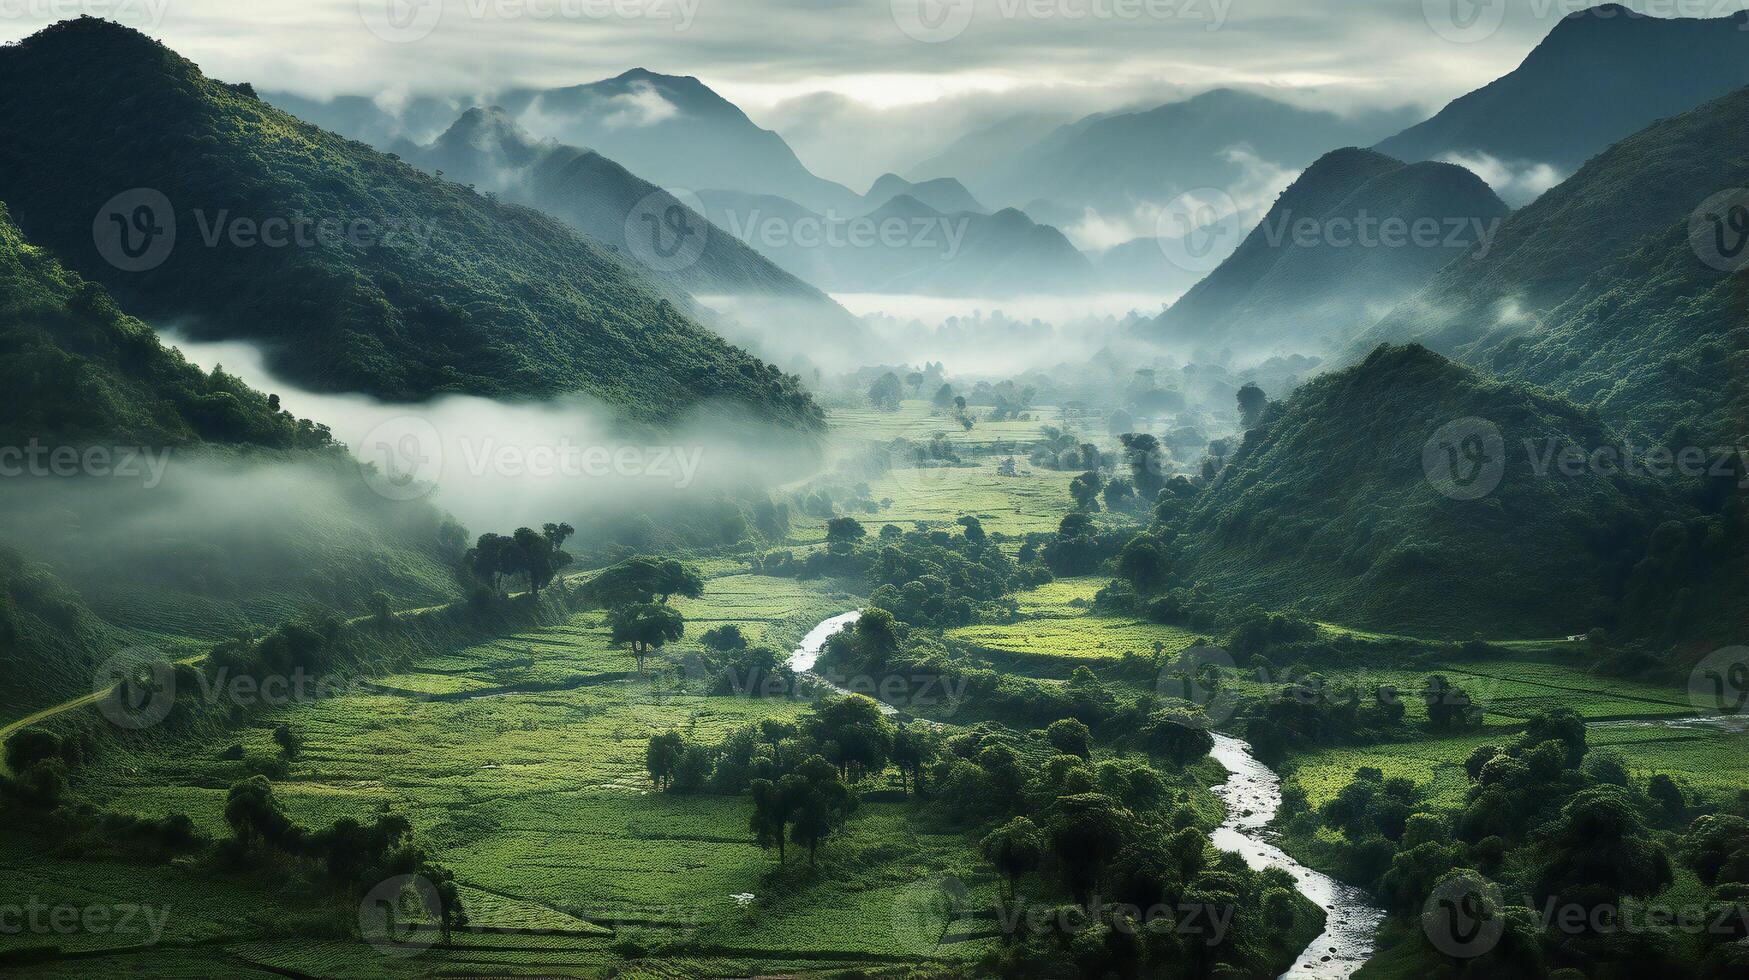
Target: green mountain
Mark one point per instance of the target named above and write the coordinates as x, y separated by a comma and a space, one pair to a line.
1597, 290
1600, 75
384, 280
1337, 502
77, 371
1354, 235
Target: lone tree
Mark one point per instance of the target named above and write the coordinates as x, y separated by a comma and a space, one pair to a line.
289, 741
641, 580
646, 626
662, 757
1147, 461
1014, 848
1085, 490
823, 804
1252, 402
1447, 704
886, 392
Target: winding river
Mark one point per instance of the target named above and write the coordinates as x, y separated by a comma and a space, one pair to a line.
1252, 794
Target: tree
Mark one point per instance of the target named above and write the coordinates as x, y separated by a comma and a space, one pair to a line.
1085, 488
662, 757
1147, 462
254, 815
1070, 737
1086, 831
944, 396
646, 626
289, 741
381, 606
1662, 790
1143, 564
491, 559
842, 533
823, 804
858, 737
724, 639
914, 748
1180, 735
974, 529
886, 392
540, 555
1447, 704
1014, 848
641, 580
1252, 402
1602, 852
773, 802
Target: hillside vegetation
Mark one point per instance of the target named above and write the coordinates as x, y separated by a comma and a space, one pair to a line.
1327, 504
418, 288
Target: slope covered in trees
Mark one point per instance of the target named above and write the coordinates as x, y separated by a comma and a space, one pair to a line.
1355, 234
1337, 501
78, 371
383, 280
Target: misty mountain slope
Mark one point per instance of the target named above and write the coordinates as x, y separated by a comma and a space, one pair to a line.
1328, 504
599, 198
78, 371
944, 194
987, 147
1114, 160
907, 246
674, 131
443, 291
1596, 289
50, 643
1326, 260
1599, 76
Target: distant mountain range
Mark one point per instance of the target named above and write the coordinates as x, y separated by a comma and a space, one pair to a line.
444, 290
1599, 76
1112, 161
1355, 234
944, 194
906, 246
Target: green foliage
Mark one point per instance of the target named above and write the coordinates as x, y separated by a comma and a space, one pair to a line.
453, 291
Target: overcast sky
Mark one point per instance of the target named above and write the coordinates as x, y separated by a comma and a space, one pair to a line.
824, 71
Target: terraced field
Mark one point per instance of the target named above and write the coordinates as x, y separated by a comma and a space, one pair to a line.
539, 800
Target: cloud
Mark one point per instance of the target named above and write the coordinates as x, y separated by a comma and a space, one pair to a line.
1517, 183
641, 106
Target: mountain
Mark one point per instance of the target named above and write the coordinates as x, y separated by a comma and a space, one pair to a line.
676, 132
1336, 501
944, 194
1222, 138
356, 271
1597, 290
1353, 235
78, 371
1599, 76
982, 150
600, 198
906, 246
